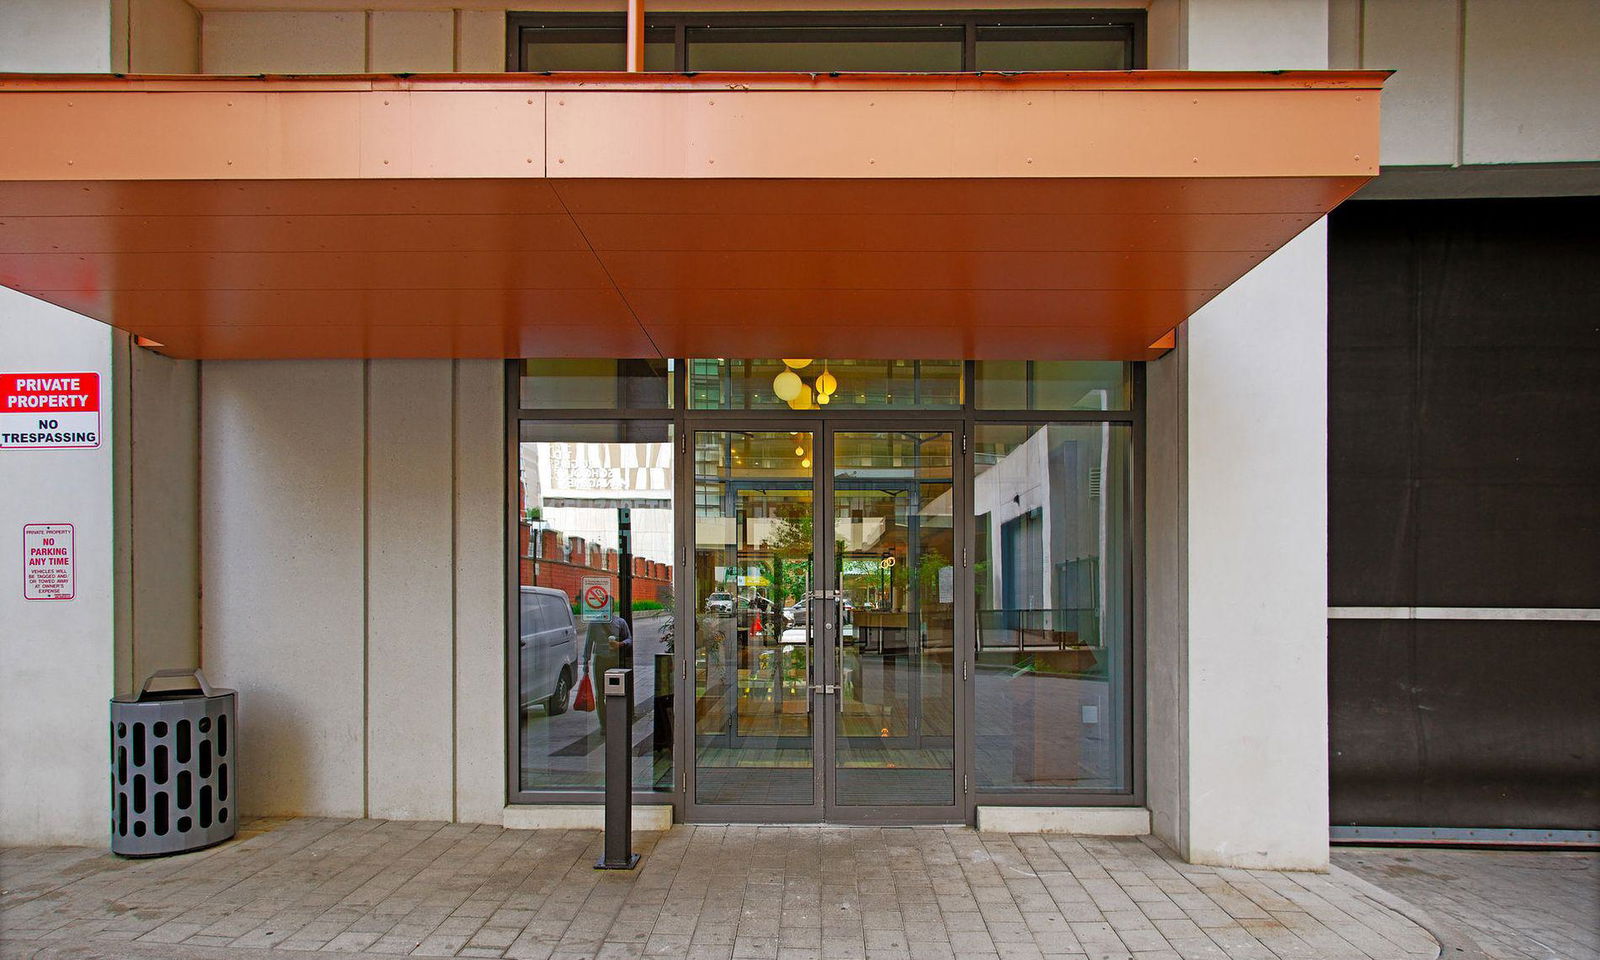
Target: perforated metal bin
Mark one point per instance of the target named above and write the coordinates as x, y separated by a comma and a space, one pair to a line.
172, 767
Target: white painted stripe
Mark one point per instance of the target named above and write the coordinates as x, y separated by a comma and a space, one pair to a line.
1590, 614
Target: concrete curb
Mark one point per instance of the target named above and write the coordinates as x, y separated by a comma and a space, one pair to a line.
1454, 943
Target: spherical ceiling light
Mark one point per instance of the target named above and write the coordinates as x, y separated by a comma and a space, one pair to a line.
796, 364
827, 383
787, 385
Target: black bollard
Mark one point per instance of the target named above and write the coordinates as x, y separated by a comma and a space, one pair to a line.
619, 853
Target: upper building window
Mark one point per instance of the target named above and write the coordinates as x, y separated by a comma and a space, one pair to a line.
822, 42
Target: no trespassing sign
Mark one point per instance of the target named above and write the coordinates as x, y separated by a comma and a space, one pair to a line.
49, 411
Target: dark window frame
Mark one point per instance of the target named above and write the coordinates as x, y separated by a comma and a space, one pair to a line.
1129, 25
967, 417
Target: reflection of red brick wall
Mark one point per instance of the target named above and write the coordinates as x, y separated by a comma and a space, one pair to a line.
550, 569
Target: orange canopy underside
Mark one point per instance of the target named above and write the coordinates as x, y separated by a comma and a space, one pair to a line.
1044, 216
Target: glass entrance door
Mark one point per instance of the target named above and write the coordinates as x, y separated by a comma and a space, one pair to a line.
826, 604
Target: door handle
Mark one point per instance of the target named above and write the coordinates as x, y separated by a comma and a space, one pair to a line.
825, 687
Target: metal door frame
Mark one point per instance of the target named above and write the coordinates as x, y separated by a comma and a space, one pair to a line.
687, 763
959, 809
826, 642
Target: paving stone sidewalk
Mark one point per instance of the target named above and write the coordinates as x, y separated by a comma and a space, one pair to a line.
383, 888
1508, 904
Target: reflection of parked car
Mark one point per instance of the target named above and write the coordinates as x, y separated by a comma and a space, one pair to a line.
799, 612
720, 603
549, 649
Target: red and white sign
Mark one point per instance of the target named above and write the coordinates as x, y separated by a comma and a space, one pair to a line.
49, 411
47, 562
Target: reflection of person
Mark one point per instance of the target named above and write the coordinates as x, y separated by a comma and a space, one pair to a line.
610, 644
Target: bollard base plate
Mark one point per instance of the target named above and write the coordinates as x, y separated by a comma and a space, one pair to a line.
602, 864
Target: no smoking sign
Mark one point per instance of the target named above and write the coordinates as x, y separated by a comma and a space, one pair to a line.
596, 599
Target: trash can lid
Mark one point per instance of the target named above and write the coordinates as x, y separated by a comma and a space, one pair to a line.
196, 688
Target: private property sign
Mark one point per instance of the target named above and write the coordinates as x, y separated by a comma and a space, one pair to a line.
47, 562
49, 411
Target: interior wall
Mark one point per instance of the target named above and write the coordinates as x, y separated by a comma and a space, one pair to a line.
357, 602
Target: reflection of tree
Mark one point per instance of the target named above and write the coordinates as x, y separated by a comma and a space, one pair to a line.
790, 542
928, 567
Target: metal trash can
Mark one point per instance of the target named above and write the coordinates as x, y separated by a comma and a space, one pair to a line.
172, 767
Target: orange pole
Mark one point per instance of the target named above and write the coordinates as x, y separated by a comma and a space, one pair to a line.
635, 36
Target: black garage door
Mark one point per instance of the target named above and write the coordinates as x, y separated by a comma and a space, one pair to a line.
1464, 433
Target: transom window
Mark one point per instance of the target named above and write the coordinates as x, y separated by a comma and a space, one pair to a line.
822, 42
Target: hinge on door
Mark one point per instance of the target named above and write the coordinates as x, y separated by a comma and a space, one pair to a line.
964, 787
963, 556
683, 443
963, 441
963, 670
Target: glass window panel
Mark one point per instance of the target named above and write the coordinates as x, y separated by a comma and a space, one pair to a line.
1053, 385
855, 384
753, 572
1053, 597
1046, 48
594, 507
596, 48
596, 384
894, 531
822, 49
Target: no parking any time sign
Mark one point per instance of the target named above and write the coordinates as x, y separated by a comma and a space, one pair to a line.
49, 411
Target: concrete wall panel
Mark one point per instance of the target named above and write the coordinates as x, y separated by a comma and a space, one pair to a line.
251, 42
480, 41
480, 628
1344, 34
1256, 35
163, 37
410, 615
1532, 81
282, 533
55, 36
1421, 41
411, 41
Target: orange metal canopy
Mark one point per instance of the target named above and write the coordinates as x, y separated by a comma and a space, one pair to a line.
1066, 215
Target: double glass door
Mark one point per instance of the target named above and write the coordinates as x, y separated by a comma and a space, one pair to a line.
825, 610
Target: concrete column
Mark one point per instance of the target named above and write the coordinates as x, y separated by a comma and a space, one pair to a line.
480, 599
157, 465
56, 656
1237, 519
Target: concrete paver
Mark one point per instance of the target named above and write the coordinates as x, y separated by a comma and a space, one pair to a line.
368, 888
1505, 904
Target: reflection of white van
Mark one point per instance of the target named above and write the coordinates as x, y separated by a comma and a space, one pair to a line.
549, 650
